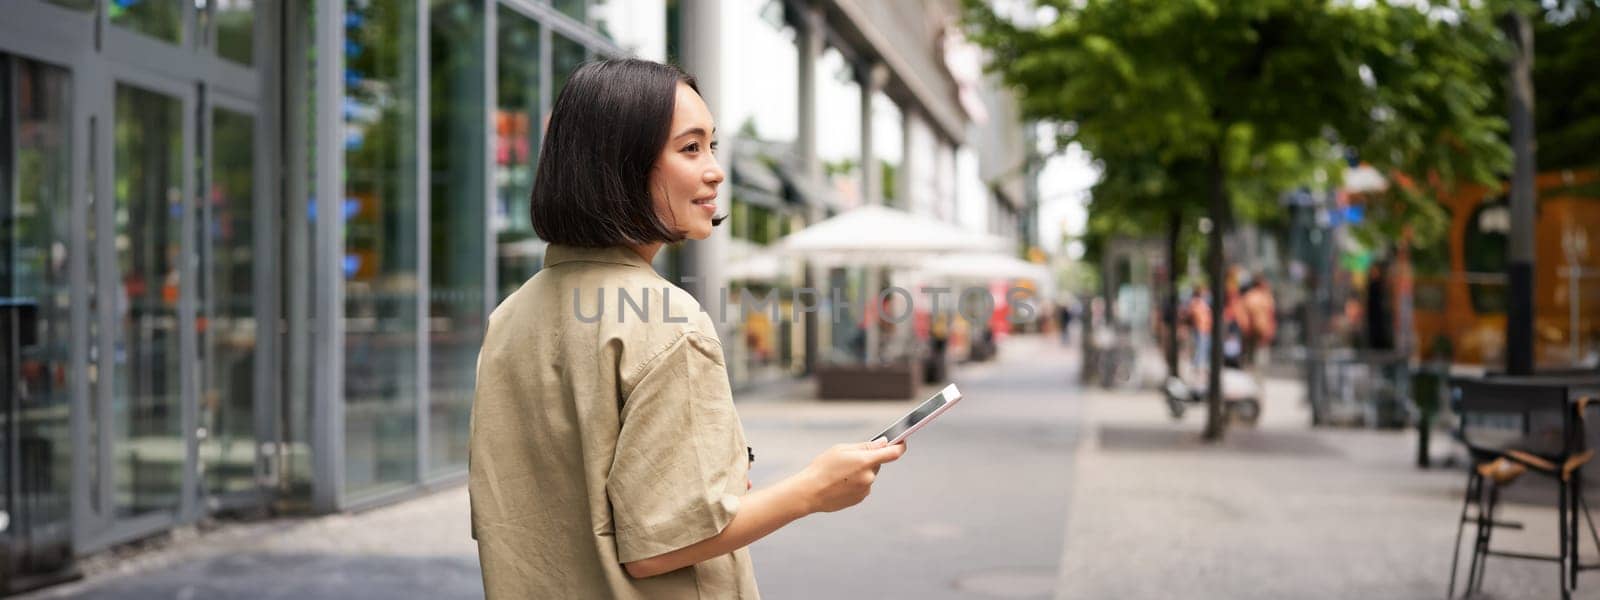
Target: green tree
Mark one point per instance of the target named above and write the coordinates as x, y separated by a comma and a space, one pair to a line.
1241, 86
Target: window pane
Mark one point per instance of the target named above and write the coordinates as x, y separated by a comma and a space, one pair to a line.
227, 299
518, 131
161, 19
35, 205
148, 440
566, 56
839, 126
458, 203
888, 146
381, 245
572, 8
236, 21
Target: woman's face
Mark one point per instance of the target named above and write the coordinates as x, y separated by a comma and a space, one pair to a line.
684, 181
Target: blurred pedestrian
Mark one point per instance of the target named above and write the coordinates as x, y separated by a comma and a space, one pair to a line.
606, 458
1260, 309
1198, 312
1064, 318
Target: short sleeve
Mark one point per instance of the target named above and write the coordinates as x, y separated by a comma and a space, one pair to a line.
680, 463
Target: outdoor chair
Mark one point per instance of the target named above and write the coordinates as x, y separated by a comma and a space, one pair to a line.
1511, 428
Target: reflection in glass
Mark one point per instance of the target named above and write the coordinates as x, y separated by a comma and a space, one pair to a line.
518, 130
458, 209
380, 231
565, 58
148, 441
839, 126
227, 324
572, 8
35, 203
160, 19
236, 21
888, 146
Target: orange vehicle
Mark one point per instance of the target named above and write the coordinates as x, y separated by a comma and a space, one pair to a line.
1467, 305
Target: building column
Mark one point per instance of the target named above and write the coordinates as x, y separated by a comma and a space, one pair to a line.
327, 399
904, 195
810, 47
875, 74
701, 56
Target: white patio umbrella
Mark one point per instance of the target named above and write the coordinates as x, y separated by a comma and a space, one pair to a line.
883, 237
877, 235
752, 262
984, 266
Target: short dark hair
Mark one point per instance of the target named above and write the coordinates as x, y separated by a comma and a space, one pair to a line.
607, 129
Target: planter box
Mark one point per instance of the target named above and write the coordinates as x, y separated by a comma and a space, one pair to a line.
895, 381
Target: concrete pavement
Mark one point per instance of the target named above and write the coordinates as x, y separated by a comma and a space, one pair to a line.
1029, 489
1280, 511
975, 510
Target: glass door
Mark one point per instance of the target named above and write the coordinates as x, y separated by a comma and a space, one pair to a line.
36, 156
230, 330
151, 463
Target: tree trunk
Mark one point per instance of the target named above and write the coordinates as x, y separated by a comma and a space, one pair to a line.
1170, 313
1215, 263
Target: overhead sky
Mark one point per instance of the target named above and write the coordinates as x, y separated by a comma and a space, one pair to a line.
1064, 184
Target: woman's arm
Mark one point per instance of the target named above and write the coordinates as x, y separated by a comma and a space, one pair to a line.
839, 478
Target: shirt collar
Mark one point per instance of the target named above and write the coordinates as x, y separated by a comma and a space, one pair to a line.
556, 254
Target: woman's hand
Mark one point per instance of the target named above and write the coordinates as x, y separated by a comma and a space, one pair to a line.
842, 476
836, 479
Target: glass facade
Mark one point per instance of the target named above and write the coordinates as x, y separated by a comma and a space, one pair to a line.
566, 56
147, 438
382, 244
839, 126
888, 148
35, 237
519, 129
227, 325
158, 19
458, 200
235, 29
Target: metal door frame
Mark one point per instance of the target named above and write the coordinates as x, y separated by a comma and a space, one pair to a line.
99, 56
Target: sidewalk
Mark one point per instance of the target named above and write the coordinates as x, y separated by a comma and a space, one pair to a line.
1280, 511
421, 548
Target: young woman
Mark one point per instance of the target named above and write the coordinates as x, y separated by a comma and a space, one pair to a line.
607, 460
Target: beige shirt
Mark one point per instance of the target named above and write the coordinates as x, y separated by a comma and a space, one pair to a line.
602, 436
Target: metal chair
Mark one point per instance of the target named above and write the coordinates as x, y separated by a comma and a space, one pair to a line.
1512, 427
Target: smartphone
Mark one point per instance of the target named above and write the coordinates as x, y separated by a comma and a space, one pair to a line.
923, 414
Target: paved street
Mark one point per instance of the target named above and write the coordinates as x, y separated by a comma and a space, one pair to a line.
1031, 488
975, 510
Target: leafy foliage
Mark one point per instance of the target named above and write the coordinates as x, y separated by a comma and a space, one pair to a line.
1266, 88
